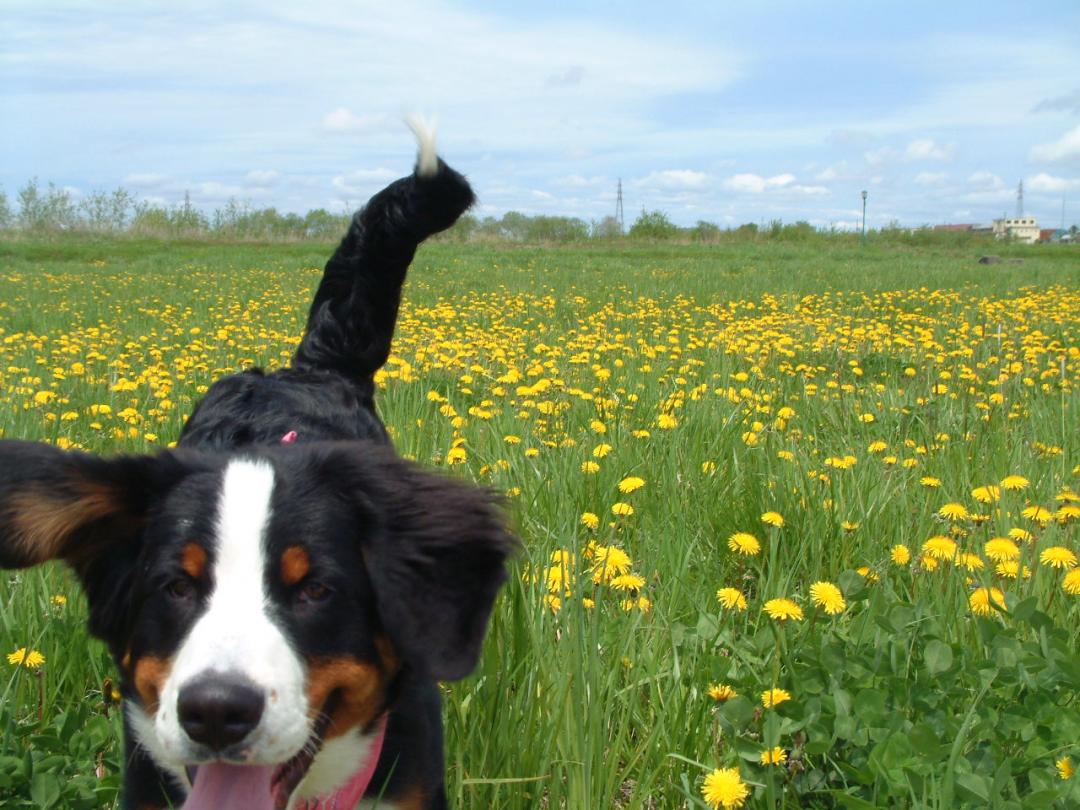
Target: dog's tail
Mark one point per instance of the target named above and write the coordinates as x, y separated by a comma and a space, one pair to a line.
351, 321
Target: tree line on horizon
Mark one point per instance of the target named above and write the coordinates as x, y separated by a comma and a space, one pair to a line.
53, 210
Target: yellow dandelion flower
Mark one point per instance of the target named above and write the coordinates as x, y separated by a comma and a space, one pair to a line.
708, 467
744, 543
722, 691
621, 509
954, 511
641, 603
772, 698
628, 582
511, 439
731, 598
981, 598
1039, 514
724, 788
969, 561
59, 600
930, 481
877, 447
1010, 569
456, 455
774, 519
987, 494
868, 572
1058, 557
783, 609
848, 526
589, 520
1014, 483
608, 563
1021, 534
552, 602
1071, 582
666, 421
590, 467
1067, 512
1064, 768
631, 484
558, 578
774, 756
828, 597
900, 554
1000, 549
940, 548
30, 659
601, 450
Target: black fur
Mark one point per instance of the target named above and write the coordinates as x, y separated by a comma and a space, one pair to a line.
404, 553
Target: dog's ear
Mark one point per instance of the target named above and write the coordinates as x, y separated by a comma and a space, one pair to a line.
82, 509
436, 558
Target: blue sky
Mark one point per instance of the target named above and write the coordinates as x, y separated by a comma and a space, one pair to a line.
726, 112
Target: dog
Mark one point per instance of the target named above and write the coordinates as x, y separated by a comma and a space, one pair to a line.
281, 592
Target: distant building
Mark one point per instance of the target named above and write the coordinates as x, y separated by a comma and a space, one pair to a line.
1052, 234
954, 227
1019, 229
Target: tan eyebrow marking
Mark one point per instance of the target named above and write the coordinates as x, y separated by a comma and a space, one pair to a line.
295, 564
193, 560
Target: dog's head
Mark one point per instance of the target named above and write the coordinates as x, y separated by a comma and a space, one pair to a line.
259, 607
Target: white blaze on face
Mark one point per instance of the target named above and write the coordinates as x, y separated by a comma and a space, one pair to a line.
236, 634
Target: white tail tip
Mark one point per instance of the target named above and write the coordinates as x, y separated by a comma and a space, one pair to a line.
427, 162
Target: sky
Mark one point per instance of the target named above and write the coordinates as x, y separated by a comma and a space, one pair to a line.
726, 112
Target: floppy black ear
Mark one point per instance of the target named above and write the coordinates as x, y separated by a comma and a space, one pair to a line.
82, 509
436, 561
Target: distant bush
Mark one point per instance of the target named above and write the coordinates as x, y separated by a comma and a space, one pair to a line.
653, 225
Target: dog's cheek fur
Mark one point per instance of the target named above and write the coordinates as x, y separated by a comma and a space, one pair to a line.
149, 675
351, 690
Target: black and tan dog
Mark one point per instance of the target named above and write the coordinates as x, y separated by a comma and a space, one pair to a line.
281, 592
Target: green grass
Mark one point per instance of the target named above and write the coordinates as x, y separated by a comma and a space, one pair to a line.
906, 699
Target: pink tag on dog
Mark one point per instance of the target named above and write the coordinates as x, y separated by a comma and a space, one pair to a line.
289, 437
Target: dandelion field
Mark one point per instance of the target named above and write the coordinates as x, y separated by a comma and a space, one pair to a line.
801, 520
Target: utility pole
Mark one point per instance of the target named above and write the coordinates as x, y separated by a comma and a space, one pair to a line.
863, 229
618, 209
1020, 200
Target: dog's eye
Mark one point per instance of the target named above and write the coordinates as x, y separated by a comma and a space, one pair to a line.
181, 588
313, 591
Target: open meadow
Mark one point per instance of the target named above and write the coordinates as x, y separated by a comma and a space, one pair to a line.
800, 519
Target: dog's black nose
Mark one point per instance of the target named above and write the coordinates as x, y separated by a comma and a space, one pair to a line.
219, 711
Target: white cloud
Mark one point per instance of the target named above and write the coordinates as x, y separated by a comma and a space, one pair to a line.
917, 150
756, 184
345, 121
983, 180
363, 182
674, 179
262, 177
1064, 150
927, 149
1051, 184
145, 179
930, 178
1069, 103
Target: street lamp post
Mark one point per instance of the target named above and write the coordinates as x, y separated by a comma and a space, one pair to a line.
863, 237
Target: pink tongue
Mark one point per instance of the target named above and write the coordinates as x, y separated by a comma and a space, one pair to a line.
220, 786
